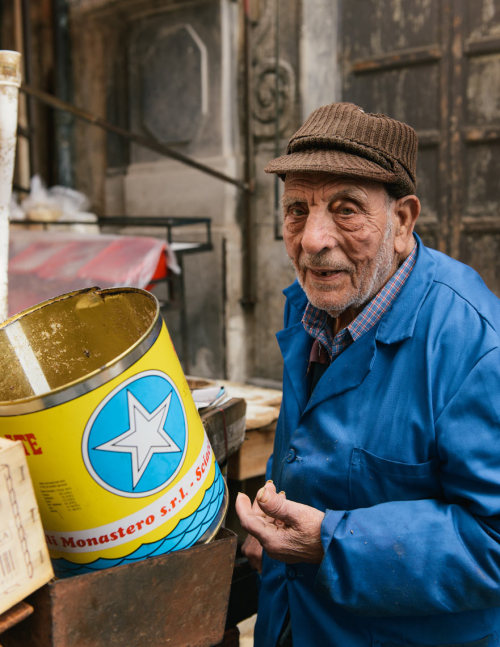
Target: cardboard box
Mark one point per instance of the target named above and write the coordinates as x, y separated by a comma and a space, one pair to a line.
24, 559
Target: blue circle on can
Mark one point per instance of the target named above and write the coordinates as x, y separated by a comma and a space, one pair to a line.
135, 441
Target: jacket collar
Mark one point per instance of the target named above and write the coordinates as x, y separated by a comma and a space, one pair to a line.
397, 324
295, 345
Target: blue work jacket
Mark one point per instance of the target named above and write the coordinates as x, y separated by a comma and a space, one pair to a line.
399, 444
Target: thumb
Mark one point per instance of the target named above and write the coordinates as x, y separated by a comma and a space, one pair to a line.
273, 503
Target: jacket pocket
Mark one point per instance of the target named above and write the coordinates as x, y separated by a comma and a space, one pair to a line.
374, 480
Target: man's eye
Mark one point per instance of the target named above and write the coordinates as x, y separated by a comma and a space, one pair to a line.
295, 211
346, 210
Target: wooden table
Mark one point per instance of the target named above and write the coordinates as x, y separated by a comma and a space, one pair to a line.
263, 407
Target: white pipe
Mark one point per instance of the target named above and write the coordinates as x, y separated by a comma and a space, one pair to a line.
10, 80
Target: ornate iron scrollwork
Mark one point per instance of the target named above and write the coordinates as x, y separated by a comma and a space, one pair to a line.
273, 77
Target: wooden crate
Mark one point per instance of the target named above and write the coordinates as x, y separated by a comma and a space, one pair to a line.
24, 559
251, 459
225, 427
262, 412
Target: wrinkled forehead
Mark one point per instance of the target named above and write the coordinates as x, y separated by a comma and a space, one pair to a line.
301, 183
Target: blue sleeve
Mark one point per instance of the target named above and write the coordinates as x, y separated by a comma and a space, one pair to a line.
430, 556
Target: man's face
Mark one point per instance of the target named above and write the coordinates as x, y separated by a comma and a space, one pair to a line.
339, 235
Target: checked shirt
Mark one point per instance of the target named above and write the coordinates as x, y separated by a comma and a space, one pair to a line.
318, 323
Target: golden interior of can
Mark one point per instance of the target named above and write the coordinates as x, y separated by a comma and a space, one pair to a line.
64, 340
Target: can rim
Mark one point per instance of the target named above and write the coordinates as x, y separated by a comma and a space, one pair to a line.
219, 518
95, 378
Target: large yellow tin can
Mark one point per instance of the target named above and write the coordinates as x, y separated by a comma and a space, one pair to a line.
120, 462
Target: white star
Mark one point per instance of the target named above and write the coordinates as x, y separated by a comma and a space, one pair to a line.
144, 437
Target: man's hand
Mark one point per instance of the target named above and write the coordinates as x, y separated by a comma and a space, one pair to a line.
253, 552
251, 547
286, 530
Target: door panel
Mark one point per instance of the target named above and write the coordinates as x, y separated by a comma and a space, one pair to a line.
478, 240
436, 65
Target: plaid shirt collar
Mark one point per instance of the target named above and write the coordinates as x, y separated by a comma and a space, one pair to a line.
318, 323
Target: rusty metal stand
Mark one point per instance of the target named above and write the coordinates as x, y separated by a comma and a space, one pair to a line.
176, 599
13, 616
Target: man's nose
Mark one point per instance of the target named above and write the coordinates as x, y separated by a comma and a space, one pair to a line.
319, 232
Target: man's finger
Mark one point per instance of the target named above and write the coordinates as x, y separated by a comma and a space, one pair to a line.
243, 505
254, 523
256, 509
279, 522
250, 515
274, 504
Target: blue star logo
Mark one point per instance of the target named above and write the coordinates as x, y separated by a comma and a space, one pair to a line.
134, 443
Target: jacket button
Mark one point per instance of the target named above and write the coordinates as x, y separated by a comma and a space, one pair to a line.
291, 573
291, 456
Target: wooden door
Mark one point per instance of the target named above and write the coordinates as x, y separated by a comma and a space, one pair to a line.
436, 65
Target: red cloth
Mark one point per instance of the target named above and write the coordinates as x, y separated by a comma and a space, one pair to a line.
45, 264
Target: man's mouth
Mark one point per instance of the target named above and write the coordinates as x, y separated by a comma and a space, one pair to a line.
325, 273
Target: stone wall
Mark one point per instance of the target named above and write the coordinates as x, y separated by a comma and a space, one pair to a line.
173, 70
308, 78
167, 70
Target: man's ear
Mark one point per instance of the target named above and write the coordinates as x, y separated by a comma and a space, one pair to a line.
406, 212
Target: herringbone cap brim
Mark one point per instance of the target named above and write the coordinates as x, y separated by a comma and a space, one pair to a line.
344, 140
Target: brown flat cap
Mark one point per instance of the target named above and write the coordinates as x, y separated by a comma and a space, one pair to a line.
343, 139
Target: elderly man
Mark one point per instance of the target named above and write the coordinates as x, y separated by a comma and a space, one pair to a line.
380, 525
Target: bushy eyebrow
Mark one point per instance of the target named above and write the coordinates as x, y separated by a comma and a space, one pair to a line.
289, 200
344, 194
349, 194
